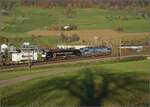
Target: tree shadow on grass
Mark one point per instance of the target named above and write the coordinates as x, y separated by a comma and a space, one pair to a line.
91, 87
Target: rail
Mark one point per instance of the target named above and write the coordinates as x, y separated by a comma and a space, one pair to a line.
65, 61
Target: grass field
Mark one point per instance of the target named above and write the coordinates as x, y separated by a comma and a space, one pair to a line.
99, 84
42, 41
21, 23
26, 19
90, 35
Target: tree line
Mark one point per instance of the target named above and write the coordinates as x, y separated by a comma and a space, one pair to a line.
8, 4
86, 3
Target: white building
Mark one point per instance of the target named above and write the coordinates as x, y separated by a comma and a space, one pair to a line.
26, 45
3, 47
11, 48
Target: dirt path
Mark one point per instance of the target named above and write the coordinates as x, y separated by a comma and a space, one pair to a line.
87, 34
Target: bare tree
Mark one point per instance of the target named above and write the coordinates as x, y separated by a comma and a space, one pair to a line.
4, 57
70, 11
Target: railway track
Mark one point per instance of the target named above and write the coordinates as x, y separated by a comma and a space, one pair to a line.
54, 61
63, 61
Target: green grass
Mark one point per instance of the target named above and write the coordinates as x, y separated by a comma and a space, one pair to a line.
25, 19
138, 66
112, 84
96, 19
44, 41
8, 74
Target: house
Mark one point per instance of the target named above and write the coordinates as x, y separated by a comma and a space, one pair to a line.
3, 48
28, 47
11, 48
143, 14
25, 45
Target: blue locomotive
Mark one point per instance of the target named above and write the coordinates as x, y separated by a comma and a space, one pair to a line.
96, 51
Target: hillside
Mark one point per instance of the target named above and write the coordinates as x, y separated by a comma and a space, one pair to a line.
110, 84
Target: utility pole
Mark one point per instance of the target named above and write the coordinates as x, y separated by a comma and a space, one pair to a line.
120, 43
60, 27
0, 98
33, 55
60, 24
149, 46
29, 62
0, 57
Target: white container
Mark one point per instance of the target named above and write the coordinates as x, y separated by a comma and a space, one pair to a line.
24, 56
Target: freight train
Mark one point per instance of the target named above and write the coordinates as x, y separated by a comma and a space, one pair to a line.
87, 51
59, 53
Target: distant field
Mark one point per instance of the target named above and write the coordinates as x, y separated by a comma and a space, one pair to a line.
23, 22
26, 19
112, 84
42, 41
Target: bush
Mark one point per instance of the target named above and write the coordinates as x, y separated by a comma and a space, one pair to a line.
75, 37
53, 28
70, 11
123, 18
120, 29
72, 38
133, 58
3, 12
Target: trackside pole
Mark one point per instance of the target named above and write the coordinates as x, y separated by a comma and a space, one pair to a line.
120, 49
29, 62
29, 65
149, 47
0, 57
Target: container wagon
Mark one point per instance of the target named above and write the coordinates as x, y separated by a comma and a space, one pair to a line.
61, 53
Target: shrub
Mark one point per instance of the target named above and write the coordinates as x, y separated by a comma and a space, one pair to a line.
120, 29
75, 37
72, 38
53, 28
133, 58
123, 18
3, 12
